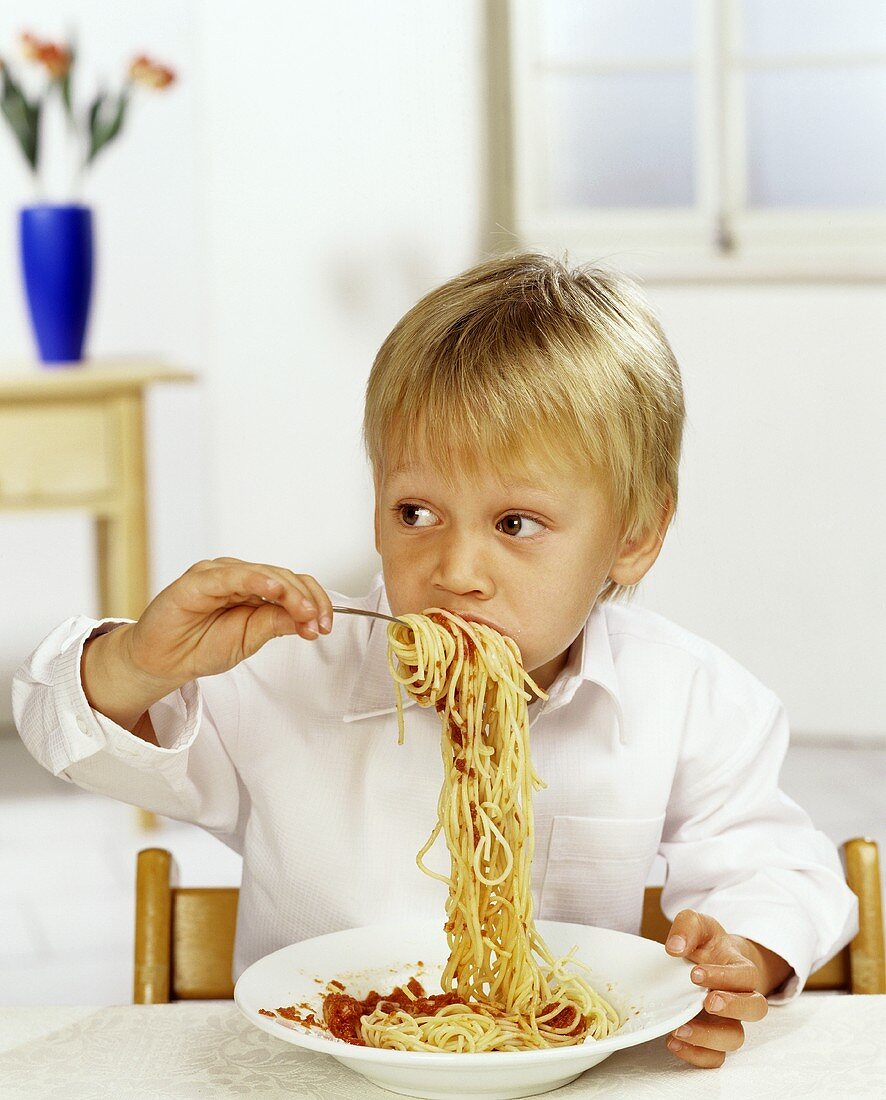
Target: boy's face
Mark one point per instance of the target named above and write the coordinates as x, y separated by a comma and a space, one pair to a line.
528, 554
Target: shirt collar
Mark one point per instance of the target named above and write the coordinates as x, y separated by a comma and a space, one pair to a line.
374, 691
589, 660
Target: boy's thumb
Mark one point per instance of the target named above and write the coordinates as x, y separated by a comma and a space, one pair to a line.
283, 622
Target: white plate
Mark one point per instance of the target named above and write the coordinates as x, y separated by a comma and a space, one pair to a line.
648, 988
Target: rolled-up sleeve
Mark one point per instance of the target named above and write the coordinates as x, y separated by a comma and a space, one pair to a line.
189, 776
738, 849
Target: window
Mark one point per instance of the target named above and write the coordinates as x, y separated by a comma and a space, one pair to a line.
691, 138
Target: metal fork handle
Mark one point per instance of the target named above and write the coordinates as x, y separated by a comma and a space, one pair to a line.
371, 614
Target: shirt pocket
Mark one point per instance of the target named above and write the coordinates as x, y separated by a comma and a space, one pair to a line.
597, 869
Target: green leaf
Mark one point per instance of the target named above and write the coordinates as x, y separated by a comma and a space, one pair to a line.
65, 89
92, 122
22, 115
103, 129
65, 84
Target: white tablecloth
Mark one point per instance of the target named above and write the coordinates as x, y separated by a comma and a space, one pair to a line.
816, 1046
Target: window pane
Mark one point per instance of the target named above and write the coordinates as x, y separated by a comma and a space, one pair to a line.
594, 30
792, 27
815, 137
619, 141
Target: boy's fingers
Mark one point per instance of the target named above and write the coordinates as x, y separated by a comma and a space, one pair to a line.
310, 603
738, 977
689, 931
296, 587
304, 623
697, 1056
749, 1007
224, 585
316, 594
293, 597
222, 582
296, 598
712, 1033
316, 600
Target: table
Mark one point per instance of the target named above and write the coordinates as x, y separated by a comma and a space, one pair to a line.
73, 437
819, 1045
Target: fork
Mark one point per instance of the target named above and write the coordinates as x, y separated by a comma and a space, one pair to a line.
371, 614
355, 611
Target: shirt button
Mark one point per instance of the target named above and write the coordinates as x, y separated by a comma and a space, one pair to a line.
81, 725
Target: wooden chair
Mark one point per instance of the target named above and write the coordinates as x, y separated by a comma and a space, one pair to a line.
184, 937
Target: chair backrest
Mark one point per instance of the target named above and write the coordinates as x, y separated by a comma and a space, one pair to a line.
184, 937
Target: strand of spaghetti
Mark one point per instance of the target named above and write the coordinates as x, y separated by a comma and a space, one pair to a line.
512, 994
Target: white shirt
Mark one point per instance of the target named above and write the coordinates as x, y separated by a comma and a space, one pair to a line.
652, 740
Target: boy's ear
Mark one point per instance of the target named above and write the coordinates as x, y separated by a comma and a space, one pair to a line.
375, 524
636, 556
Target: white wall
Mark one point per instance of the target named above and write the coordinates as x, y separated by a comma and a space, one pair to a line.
779, 545
338, 195
149, 299
316, 171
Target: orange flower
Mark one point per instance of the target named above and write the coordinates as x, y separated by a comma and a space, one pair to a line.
138, 66
151, 74
30, 46
54, 57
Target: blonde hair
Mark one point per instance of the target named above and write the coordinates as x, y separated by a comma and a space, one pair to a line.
521, 359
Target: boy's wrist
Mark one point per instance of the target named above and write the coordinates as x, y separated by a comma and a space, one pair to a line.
772, 968
112, 682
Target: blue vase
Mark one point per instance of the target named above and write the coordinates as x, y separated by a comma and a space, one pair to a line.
56, 254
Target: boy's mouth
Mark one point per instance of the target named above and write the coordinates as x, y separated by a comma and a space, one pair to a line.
472, 618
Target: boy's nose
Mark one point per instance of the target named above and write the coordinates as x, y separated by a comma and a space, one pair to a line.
460, 569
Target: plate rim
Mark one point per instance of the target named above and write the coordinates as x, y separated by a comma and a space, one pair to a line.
433, 1059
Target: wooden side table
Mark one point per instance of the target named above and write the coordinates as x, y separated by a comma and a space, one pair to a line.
74, 437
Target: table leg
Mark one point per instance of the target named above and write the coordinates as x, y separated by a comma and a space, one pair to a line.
122, 533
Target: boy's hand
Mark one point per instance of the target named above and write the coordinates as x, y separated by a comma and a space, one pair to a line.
217, 614
738, 972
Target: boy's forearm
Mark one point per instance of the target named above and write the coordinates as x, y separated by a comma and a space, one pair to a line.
115, 688
773, 968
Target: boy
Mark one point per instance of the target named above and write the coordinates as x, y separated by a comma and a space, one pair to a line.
523, 423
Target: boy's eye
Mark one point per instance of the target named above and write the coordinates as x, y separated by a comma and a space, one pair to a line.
409, 514
515, 524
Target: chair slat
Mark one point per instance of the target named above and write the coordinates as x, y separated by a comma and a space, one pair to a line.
184, 940
204, 923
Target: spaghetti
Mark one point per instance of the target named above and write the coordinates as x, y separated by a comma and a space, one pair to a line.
502, 988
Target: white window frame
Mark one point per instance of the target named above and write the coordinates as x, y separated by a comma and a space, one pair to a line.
718, 238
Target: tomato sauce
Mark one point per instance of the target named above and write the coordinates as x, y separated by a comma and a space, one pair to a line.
342, 1013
